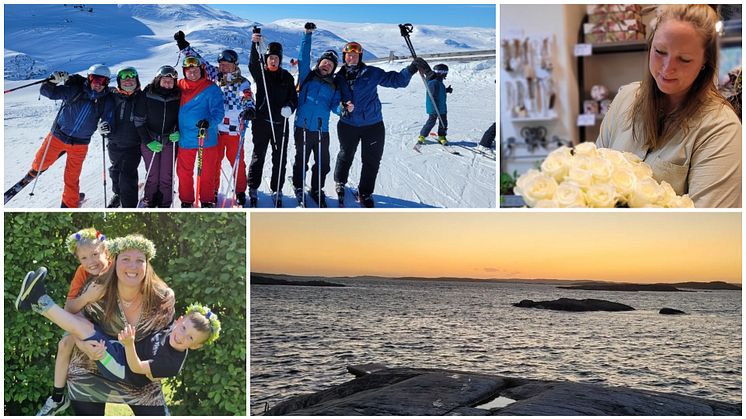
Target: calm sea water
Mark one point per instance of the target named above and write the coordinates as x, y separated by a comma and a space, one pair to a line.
303, 338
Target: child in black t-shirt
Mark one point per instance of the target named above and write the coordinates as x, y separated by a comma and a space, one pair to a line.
163, 352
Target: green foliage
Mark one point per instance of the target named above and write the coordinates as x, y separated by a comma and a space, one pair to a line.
507, 182
202, 256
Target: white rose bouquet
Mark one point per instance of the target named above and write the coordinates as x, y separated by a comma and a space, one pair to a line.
586, 176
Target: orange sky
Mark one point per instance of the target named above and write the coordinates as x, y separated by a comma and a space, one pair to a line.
612, 246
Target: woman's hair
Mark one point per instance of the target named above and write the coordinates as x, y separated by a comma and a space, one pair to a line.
649, 125
153, 289
204, 320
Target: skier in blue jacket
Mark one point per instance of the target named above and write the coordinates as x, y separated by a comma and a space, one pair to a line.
362, 121
317, 97
438, 110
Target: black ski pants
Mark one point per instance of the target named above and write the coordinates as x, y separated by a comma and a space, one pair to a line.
488, 139
372, 139
320, 152
123, 173
262, 138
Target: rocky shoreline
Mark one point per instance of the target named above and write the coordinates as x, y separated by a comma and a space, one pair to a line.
379, 390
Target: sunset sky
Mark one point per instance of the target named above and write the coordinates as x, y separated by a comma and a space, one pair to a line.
622, 247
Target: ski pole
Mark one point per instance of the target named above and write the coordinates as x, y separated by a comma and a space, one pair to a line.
200, 144
173, 173
43, 159
147, 175
282, 157
319, 161
27, 85
231, 189
264, 82
103, 155
406, 29
304, 164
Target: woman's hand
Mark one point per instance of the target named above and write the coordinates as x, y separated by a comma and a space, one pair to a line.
93, 350
127, 335
94, 292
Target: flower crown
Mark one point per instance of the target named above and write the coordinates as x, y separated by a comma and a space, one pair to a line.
210, 316
133, 241
87, 234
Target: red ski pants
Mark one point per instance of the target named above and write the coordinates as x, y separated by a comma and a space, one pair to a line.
185, 170
228, 147
73, 166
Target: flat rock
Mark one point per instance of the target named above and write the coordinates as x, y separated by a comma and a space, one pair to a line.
571, 304
432, 392
666, 310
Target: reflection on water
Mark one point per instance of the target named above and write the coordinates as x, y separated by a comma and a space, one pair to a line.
303, 338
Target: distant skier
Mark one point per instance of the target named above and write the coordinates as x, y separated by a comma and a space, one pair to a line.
273, 107
317, 97
238, 104
157, 122
437, 111
86, 105
358, 84
201, 112
488, 140
124, 141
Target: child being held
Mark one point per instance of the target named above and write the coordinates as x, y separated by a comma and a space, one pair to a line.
89, 246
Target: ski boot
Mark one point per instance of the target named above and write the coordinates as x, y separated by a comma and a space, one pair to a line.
277, 199
208, 205
241, 199
320, 202
253, 200
421, 139
442, 140
114, 202
366, 201
340, 189
187, 205
299, 197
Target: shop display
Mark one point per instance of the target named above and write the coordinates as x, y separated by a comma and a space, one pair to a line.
613, 23
529, 89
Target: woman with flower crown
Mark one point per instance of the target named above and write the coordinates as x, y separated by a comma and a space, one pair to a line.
675, 120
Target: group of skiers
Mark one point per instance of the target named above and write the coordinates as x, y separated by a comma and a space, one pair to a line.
175, 123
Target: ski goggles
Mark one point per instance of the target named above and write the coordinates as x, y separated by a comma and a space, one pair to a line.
95, 78
127, 73
353, 47
168, 71
191, 62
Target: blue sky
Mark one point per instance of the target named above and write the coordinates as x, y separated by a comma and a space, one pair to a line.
479, 15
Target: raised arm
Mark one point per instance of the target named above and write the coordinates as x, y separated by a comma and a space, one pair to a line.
127, 338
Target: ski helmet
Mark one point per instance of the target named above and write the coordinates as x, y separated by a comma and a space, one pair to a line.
127, 73
330, 55
353, 47
274, 48
192, 62
228, 55
441, 70
167, 71
99, 70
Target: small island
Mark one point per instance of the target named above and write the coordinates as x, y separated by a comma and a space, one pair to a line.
675, 287
571, 304
258, 279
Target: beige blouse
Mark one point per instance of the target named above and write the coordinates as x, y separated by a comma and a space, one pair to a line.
705, 163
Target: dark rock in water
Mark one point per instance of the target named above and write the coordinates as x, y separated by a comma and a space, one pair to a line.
430, 392
571, 304
265, 280
666, 310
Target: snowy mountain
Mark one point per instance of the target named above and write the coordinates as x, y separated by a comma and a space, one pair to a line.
47, 37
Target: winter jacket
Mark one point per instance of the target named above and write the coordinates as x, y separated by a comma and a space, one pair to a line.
81, 109
123, 131
281, 87
157, 115
317, 96
237, 95
361, 88
200, 99
438, 90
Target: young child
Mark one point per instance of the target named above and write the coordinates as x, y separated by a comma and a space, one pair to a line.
89, 246
438, 91
164, 351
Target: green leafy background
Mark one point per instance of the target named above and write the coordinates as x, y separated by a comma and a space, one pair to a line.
202, 256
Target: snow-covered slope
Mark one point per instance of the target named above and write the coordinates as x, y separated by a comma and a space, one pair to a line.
43, 38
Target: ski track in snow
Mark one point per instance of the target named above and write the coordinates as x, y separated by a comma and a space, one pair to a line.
406, 178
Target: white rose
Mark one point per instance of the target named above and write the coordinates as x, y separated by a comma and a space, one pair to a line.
631, 157
647, 192
601, 169
586, 149
624, 181
601, 195
668, 194
615, 157
538, 188
523, 179
583, 178
569, 195
682, 201
642, 170
581, 162
546, 203
557, 163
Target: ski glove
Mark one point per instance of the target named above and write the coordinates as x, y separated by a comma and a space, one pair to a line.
181, 40
449, 89
310, 26
155, 146
104, 128
174, 136
203, 124
420, 64
59, 77
248, 114
286, 111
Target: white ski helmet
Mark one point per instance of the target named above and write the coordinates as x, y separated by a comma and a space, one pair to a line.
99, 70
